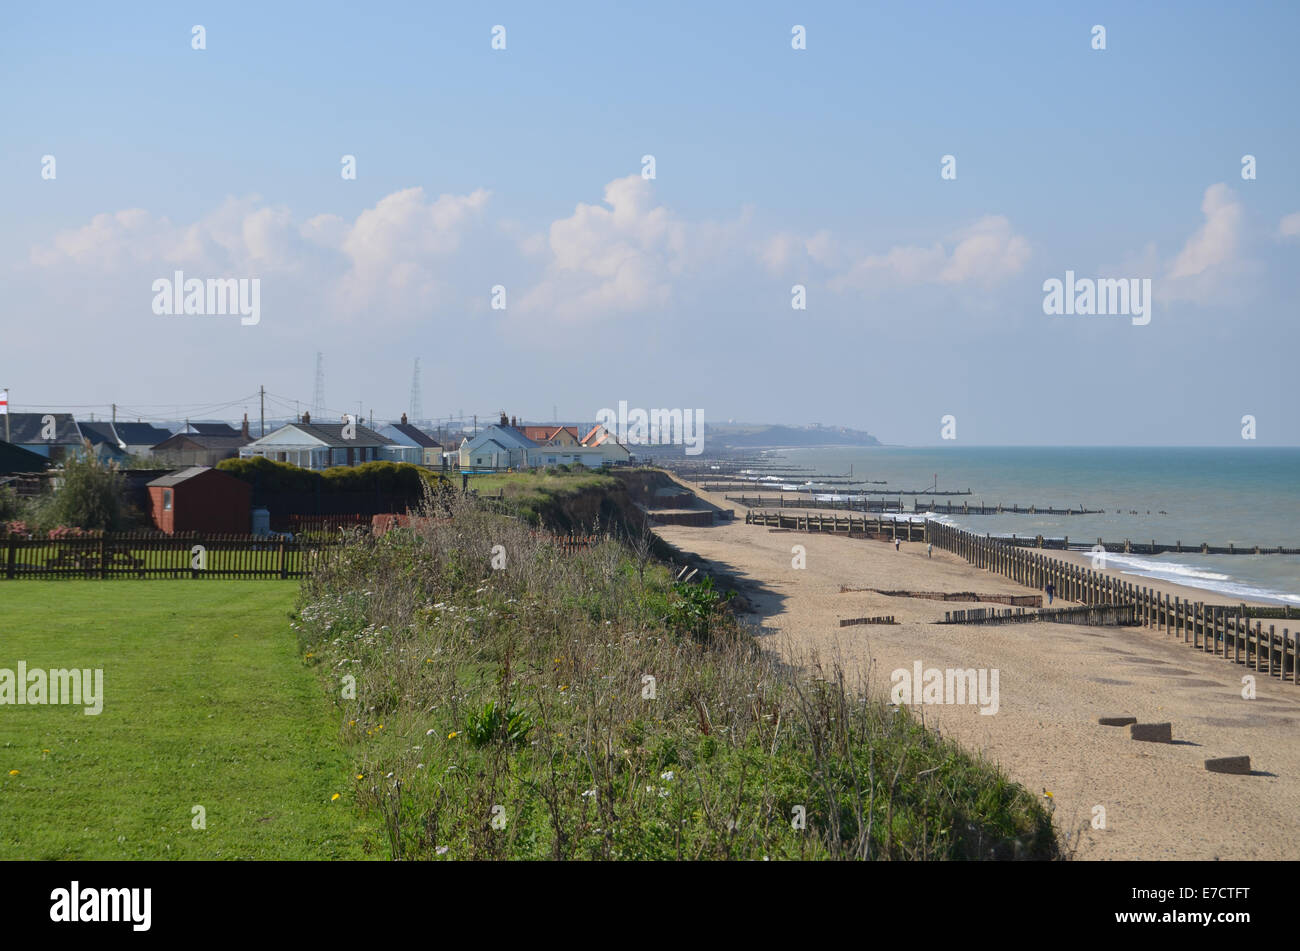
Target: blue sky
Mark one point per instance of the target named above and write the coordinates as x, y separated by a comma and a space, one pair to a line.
521, 167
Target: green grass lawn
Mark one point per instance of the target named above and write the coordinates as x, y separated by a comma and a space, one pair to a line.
206, 703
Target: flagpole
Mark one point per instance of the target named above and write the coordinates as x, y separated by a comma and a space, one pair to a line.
6, 395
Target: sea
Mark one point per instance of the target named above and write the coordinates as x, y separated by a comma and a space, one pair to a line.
1244, 496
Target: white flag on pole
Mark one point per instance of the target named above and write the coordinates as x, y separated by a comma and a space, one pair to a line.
4, 402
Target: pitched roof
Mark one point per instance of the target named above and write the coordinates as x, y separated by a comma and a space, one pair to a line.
505, 436
25, 429
141, 434
212, 429
544, 434
17, 459
181, 475
98, 433
416, 435
200, 442
331, 434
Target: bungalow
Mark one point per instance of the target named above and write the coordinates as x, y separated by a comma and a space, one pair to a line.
590, 456
613, 452
497, 447
201, 449
412, 444
319, 445
120, 441
52, 435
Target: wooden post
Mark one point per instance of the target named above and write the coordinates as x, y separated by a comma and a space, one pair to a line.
11, 561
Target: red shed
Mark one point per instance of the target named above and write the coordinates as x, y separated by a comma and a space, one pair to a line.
201, 499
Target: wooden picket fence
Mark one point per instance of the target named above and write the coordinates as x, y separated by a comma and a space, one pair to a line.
157, 555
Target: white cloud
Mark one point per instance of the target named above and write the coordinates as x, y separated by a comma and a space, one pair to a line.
1289, 226
613, 258
398, 255
1214, 244
983, 253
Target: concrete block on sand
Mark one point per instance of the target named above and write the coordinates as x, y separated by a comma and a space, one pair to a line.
1152, 732
1229, 764
1116, 720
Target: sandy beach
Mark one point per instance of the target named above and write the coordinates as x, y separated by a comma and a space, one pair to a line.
1055, 680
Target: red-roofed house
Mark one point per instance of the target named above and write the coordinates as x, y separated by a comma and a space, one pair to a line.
612, 451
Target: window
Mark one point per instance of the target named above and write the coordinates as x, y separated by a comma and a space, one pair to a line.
167, 500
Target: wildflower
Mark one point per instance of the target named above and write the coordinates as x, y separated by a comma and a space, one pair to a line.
352, 723
668, 776
359, 776
430, 733
588, 793
453, 734
441, 850
334, 797
563, 687
13, 772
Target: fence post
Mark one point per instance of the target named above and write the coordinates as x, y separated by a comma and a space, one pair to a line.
284, 566
12, 560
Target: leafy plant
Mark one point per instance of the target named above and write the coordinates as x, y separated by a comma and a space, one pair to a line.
491, 724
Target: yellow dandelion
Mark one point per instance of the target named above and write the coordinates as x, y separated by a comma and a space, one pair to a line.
352, 723
334, 797
44, 751
359, 776
381, 726
13, 772
309, 654
564, 687
453, 734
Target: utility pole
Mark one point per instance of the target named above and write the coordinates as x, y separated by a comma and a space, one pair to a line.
262, 393
476, 424
114, 412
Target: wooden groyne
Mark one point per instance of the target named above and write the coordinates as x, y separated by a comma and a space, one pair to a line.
1222, 629
850, 525
881, 619
1128, 546
774, 484
1016, 600
1226, 630
891, 505
1093, 615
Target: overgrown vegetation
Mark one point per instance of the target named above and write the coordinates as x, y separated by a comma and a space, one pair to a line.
91, 496
388, 478
587, 707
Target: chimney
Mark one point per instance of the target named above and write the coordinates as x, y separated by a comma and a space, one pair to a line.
513, 422
505, 420
243, 430
403, 419
306, 418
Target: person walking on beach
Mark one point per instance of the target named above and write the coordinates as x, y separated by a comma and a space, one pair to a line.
897, 542
929, 549
1051, 590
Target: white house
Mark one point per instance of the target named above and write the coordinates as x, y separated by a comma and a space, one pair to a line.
412, 444
319, 445
497, 447
612, 451
590, 456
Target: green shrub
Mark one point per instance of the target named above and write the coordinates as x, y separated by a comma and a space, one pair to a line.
92, 496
